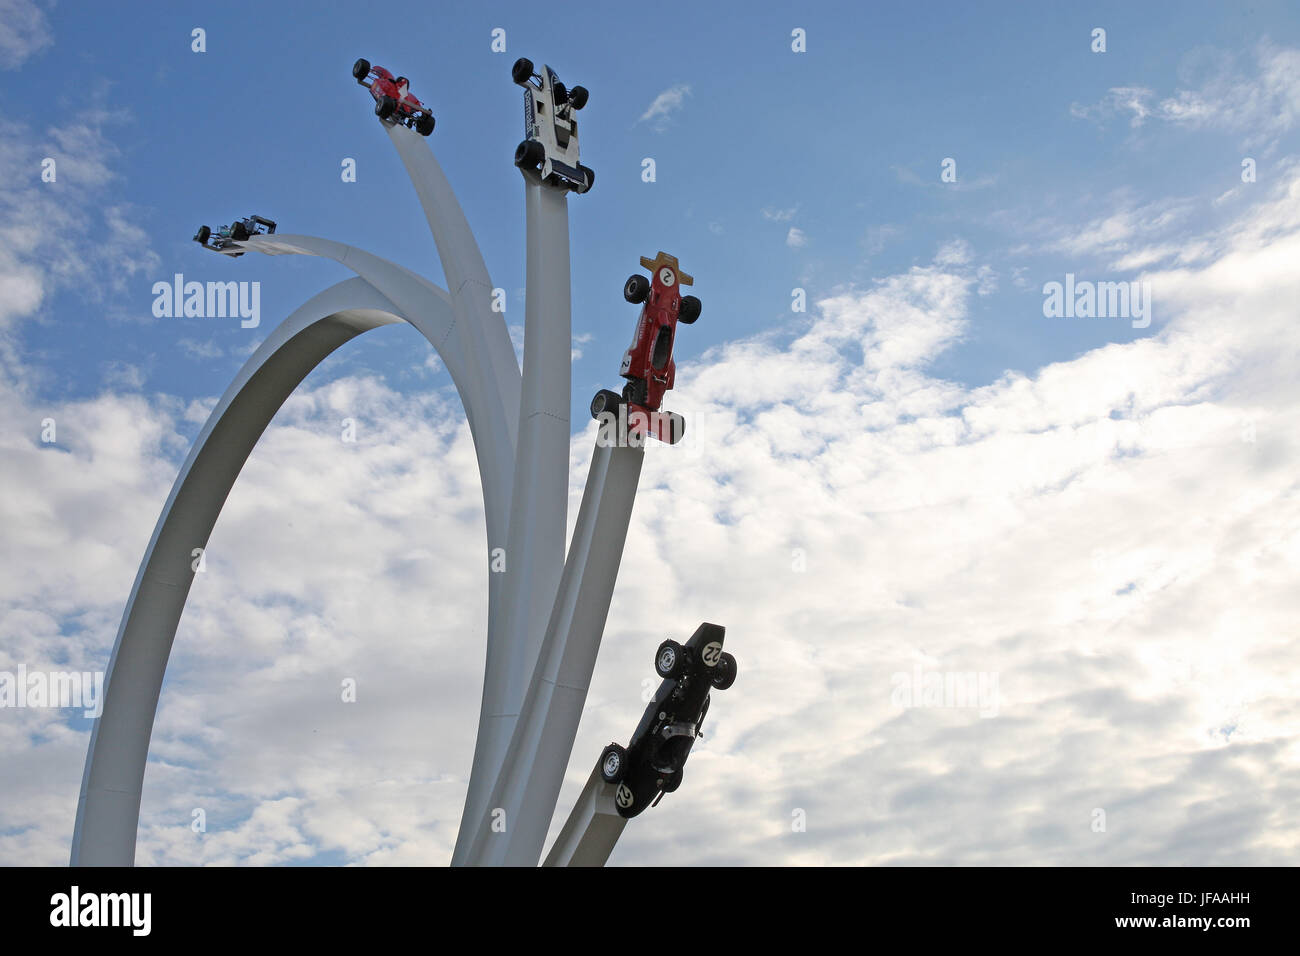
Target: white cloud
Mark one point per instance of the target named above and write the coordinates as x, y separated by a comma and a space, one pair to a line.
24, 32
955, 252
1133, 234
1261, 100
877, 238
773, 214
579, 339
661, 109
1116, 536
83, 244
123, 375
795, 238
201, 350
1119, 99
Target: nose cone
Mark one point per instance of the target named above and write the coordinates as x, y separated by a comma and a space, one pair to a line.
707, 633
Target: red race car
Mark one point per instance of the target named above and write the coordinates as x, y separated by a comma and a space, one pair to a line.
648, 364
393, 100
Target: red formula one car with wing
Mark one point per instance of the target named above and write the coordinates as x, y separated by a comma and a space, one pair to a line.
648, 363
394, 102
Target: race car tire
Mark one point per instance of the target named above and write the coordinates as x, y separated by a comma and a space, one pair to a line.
724, 674
636, 289
385, 106
360, 70
529, 154
578, 97
203, 235
613, 763
689, 310
672, 782
604, 401
522, 71
676, 428
670, 659
239, 232
588, 178
424, 125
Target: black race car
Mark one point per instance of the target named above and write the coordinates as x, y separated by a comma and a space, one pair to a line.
223, 239
651, 764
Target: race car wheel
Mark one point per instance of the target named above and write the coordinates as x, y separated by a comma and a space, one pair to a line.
202, 236
424, 125
613, 763
672, 782
724, 674
578, 97
360, 70
604, 401
676, 428
385, 107
522, 71
239, 232
670, 659
636, 289
588, 178
529, 154
689, 310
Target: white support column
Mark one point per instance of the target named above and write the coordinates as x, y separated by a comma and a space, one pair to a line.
592, 829
533, 770
538, 498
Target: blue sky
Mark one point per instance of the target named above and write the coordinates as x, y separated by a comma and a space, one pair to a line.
1105, 516
846, 139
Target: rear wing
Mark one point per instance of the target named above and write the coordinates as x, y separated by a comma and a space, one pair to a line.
664, 259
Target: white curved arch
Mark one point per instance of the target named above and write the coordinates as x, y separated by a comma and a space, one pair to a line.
462, 262
109, 806
474, 344
489, 379
491, 399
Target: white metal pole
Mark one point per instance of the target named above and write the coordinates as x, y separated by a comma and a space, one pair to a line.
538, 498
538, 753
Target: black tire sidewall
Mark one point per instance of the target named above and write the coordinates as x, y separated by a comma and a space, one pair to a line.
609, 751
637, 284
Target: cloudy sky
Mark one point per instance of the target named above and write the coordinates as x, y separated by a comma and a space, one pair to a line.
921, 476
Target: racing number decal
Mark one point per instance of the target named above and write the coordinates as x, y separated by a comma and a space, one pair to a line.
711, 654
623, 796
667, 276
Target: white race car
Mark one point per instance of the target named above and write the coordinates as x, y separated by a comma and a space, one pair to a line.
550, 146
